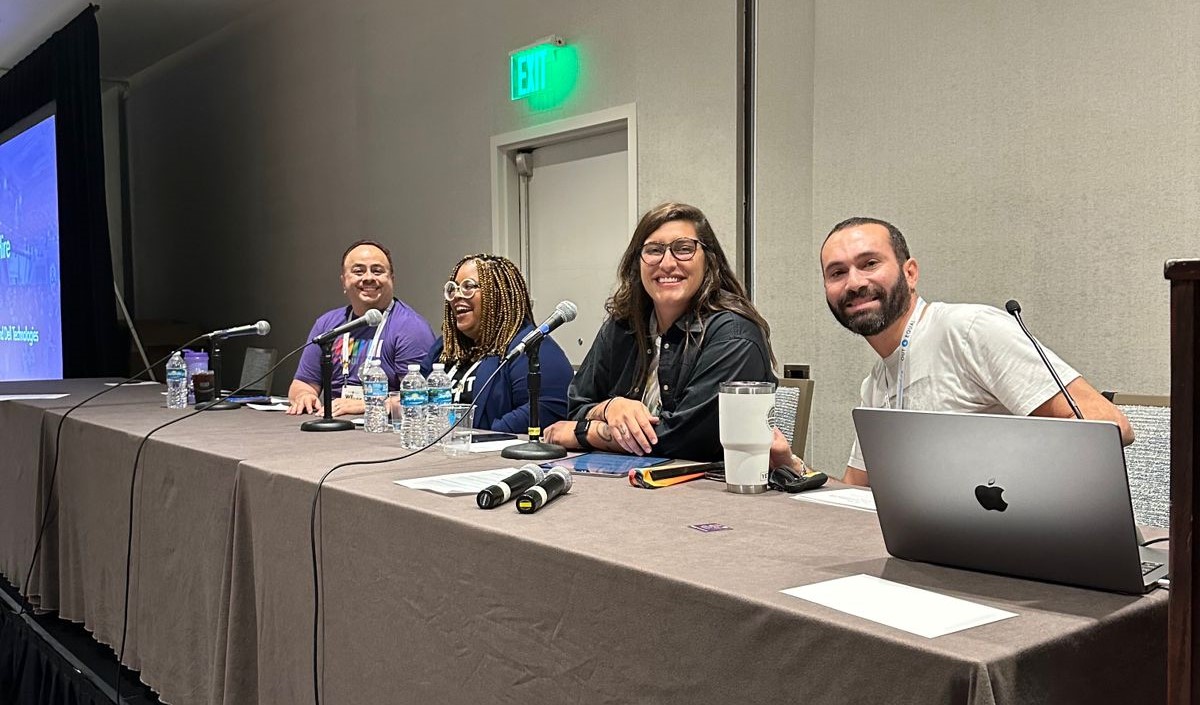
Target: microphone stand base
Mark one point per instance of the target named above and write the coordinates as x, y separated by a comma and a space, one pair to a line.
327, 425
534, 450
217, 406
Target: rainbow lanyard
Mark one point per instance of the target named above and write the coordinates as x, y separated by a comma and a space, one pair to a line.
904, 348
372, 351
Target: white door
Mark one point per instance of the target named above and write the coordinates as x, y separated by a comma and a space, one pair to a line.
578, 207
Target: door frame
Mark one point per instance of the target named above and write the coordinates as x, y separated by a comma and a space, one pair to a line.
505, 182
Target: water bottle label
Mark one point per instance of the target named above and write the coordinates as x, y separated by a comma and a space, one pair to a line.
414, 397
376, 389
177, 375
440, 396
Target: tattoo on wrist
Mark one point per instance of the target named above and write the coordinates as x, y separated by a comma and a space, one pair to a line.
604, 432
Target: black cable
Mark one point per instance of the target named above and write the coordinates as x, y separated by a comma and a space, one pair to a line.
54, 468
312, 522
133, 485
1151, 541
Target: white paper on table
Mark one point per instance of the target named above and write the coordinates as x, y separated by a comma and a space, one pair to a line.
268, 407
854, 499
30, 397
458, 483
493, 446
137, 383
921, 612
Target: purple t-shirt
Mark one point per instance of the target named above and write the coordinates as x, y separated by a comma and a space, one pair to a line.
406, 338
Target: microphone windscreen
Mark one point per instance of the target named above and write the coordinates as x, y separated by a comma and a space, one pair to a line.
1012, 306
568, 310
374, 317
262, 328
565, 474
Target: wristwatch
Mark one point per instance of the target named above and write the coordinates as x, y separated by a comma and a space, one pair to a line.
581, 431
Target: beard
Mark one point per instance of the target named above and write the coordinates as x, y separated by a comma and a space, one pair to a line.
893, 304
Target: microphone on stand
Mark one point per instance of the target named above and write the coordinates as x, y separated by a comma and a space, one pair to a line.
214, 359
371, 318
556, 482
260, 328
327, 423
564, 312
1014, 308
535, 449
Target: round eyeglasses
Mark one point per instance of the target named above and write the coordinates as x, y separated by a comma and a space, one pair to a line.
682, 249
465, 290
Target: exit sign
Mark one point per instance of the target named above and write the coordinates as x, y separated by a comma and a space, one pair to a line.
535, 69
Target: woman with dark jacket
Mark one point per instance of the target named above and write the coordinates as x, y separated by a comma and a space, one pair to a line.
679, 325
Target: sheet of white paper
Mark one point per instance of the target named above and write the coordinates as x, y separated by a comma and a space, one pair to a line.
921, 612
493, 446
138, 383
268, 407
854, 499
25, 397
458, 483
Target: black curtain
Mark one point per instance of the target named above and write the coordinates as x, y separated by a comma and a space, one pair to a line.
66, 70
33, 673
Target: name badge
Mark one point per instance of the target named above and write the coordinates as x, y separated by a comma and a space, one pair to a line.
352, 391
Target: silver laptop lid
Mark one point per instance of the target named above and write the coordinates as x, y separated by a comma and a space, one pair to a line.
1024, 496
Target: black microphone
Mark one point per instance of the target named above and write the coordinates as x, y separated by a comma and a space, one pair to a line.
564, 312
556, 482
371, 318
1015, 309
260, 328
499, 493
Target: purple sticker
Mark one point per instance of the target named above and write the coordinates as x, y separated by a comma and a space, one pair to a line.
706, 528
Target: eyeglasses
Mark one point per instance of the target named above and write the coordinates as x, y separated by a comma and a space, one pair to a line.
466, 290
682, 249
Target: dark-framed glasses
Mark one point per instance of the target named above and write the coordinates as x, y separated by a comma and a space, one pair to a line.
466, 290
682, 249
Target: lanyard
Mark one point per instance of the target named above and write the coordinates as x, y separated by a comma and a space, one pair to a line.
904, 348
372, 351
459, 387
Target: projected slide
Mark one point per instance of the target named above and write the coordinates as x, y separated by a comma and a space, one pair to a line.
30, 297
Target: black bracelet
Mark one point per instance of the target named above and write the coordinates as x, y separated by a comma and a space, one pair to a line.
581, 434
604, 411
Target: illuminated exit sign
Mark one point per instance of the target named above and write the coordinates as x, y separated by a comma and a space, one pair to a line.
539, 69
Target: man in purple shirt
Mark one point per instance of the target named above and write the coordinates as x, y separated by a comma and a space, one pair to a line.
403, 338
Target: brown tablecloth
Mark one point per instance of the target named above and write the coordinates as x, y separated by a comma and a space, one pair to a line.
605, 596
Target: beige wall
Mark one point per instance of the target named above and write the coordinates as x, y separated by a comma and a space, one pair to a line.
1039, 151
1046, 152
260, 153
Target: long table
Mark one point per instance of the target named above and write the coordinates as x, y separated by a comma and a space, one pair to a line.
605, 596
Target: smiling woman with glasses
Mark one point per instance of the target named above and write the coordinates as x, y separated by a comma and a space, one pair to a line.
679, 324
487, 312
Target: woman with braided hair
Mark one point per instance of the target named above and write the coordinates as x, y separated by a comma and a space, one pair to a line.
487, 313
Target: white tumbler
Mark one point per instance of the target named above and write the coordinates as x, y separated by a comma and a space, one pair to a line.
744, 410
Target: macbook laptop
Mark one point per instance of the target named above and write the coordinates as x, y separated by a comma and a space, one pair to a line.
1024, 496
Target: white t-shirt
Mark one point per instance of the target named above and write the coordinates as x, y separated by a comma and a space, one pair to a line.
967, 358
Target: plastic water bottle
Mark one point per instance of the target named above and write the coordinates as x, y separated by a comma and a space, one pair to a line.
439, 396
414, 426
177, 382
375, 393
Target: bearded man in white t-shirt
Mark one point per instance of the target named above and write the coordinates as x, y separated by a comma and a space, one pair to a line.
956, 357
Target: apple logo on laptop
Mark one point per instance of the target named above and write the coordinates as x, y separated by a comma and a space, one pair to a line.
990, 496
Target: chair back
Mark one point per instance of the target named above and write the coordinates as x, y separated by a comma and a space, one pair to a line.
1148, 458
793, 405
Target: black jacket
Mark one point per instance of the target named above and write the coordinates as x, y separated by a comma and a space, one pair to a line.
690, 369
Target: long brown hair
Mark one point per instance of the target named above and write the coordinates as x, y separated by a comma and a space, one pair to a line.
504, 309
720, 290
